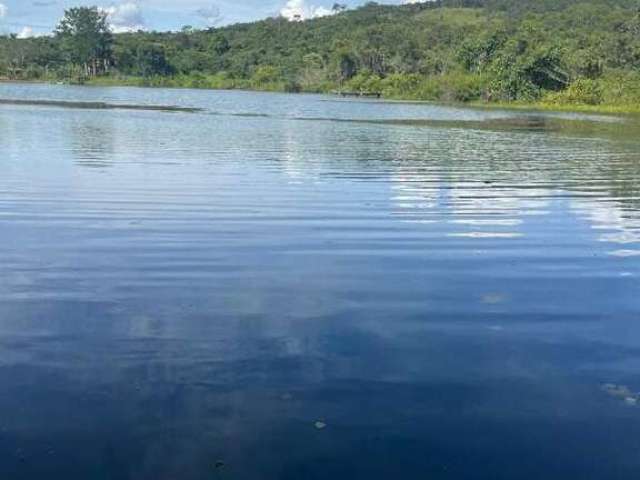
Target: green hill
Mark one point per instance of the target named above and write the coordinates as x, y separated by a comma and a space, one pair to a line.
560, 52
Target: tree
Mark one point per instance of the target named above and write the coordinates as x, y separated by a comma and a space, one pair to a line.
347, 65
264, 75
338, 8
527, 66
86, 39
151, 60
444, 49
312, 74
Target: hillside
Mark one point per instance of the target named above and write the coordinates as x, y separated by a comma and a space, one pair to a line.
561, 52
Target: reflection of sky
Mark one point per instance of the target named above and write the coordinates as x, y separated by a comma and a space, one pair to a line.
182, 289
617, 227
491, 199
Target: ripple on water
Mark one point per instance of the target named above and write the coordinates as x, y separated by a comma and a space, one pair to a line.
357, 282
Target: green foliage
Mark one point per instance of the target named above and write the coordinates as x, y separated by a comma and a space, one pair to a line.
312, 76
401, 85
347, 65
621, 88
143, 58
264, 75
615, 89
583, 91
452, 87
365, 83
526, 66
562, 52
85, 39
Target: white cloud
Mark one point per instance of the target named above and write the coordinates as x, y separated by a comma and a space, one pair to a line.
3, 10
125, 17
298, 10
27, 32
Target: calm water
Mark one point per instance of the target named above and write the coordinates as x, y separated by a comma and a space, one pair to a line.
297, 287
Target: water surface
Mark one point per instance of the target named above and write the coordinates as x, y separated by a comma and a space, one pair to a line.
301, 287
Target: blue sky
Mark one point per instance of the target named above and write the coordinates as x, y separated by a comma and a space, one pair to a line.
40, 16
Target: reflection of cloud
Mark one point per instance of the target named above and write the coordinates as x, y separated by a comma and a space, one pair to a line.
507, 222
493, 298
625, 253
492, 208
486, 235
472, 199
416, 195
479, 184
485, 209
621, 228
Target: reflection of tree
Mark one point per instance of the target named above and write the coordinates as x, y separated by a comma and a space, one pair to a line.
92, 142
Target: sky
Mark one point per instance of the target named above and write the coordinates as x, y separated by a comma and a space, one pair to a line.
37, 17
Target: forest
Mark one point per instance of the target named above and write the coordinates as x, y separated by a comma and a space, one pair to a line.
557, 53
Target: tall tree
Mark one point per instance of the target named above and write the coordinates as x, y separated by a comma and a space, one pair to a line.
86, 39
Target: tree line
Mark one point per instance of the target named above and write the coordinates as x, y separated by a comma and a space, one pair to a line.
556, 51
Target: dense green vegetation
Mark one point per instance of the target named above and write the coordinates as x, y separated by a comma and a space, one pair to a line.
553, 52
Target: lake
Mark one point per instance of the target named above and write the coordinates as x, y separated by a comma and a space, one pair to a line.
305, 287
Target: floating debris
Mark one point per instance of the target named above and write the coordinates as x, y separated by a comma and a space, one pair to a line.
320, 425
622, 392
219, 464
286, 397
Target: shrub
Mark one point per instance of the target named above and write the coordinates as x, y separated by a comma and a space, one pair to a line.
621, 88
401, 85
365, 82
582, 91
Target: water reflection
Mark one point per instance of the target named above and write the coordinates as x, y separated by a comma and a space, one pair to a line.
616, 226
442, 300
92, 143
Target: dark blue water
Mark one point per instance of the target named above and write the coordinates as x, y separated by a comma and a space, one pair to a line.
293, 287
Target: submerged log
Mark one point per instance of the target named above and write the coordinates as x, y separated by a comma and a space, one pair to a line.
96, 105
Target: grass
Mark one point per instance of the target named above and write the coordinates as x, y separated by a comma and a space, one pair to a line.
550, 107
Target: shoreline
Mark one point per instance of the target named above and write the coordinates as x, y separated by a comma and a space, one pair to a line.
602, 109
